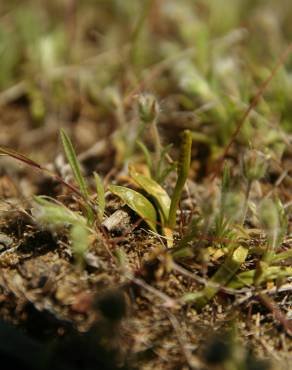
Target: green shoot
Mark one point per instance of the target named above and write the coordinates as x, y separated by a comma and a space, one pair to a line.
74, 163
182, 174
146, 153
162, 170
75, 167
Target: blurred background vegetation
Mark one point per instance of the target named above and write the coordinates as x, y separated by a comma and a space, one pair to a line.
68, 60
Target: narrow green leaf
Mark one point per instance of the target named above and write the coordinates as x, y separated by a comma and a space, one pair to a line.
151, 187
75, 166
165, 172
182, 174
138, 203
246, 278
100, 196
74, 163
282, 256
161, 164
222, 276
146, 153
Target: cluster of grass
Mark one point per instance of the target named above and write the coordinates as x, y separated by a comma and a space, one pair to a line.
139, 63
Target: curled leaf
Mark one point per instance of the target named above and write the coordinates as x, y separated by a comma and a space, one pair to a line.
151, 187
138, 203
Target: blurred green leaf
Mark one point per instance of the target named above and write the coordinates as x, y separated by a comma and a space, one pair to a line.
52, 214
246, 278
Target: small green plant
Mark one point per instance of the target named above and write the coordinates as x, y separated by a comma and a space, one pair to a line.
55, 215
166, 206
74, 164
273, 219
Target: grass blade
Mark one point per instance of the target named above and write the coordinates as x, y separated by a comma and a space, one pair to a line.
76, 169
74, 163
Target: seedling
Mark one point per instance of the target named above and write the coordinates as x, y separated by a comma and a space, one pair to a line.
166, 207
